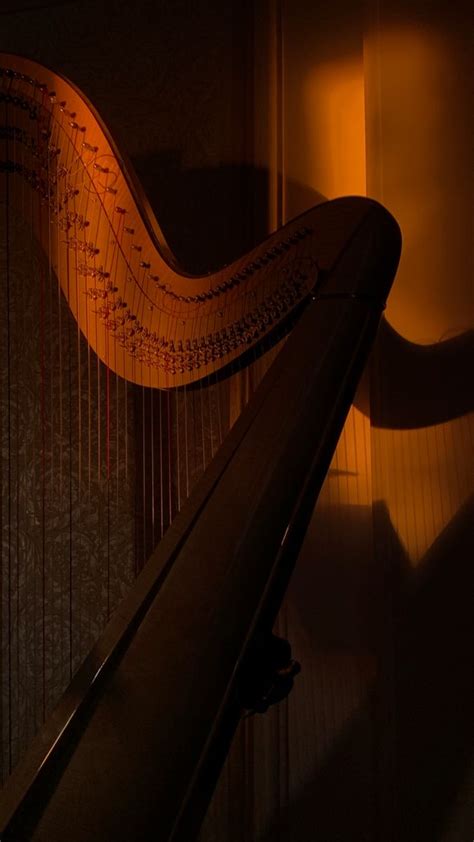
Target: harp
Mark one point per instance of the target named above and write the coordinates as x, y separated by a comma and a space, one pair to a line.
135, 672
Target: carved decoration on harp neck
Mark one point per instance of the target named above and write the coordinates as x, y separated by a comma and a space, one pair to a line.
106, 310
103, 173
89, 148
64, 110
153, 350
69, 193
89, 248
236, 279
70, 219
213, 319
92, 272
95, 292
22, 102
77, 127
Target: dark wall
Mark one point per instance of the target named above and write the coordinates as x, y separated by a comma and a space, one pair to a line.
171, 81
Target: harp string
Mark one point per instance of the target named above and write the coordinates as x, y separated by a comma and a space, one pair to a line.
9, 479
88, 491
51, 331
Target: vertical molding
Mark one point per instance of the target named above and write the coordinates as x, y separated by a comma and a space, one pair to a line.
386, 795
417, 128
373, 100
277, 217
252, 785
268, 78
280, 174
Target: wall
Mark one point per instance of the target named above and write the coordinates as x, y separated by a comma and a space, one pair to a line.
374, 742
308, 768
347, 99
419, 133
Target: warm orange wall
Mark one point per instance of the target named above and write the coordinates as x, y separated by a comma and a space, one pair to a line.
419, 161
330, 613
419, 126
323, 102
376, 100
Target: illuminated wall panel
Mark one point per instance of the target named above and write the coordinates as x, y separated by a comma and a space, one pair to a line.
418, 130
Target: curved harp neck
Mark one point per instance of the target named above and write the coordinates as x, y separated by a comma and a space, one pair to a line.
148, 321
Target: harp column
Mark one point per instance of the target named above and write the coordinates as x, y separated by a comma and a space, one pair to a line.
309, 137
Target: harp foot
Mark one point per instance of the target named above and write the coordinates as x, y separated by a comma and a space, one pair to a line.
267, 675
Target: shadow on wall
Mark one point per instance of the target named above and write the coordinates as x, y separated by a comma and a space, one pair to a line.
433, 684
434, 687
210, 216
419, 385
338, 598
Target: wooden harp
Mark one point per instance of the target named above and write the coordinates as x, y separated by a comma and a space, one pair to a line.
132, 748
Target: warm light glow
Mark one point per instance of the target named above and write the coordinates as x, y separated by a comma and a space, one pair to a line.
333, 107
418, 114
418, 139
391, 121
349, 479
